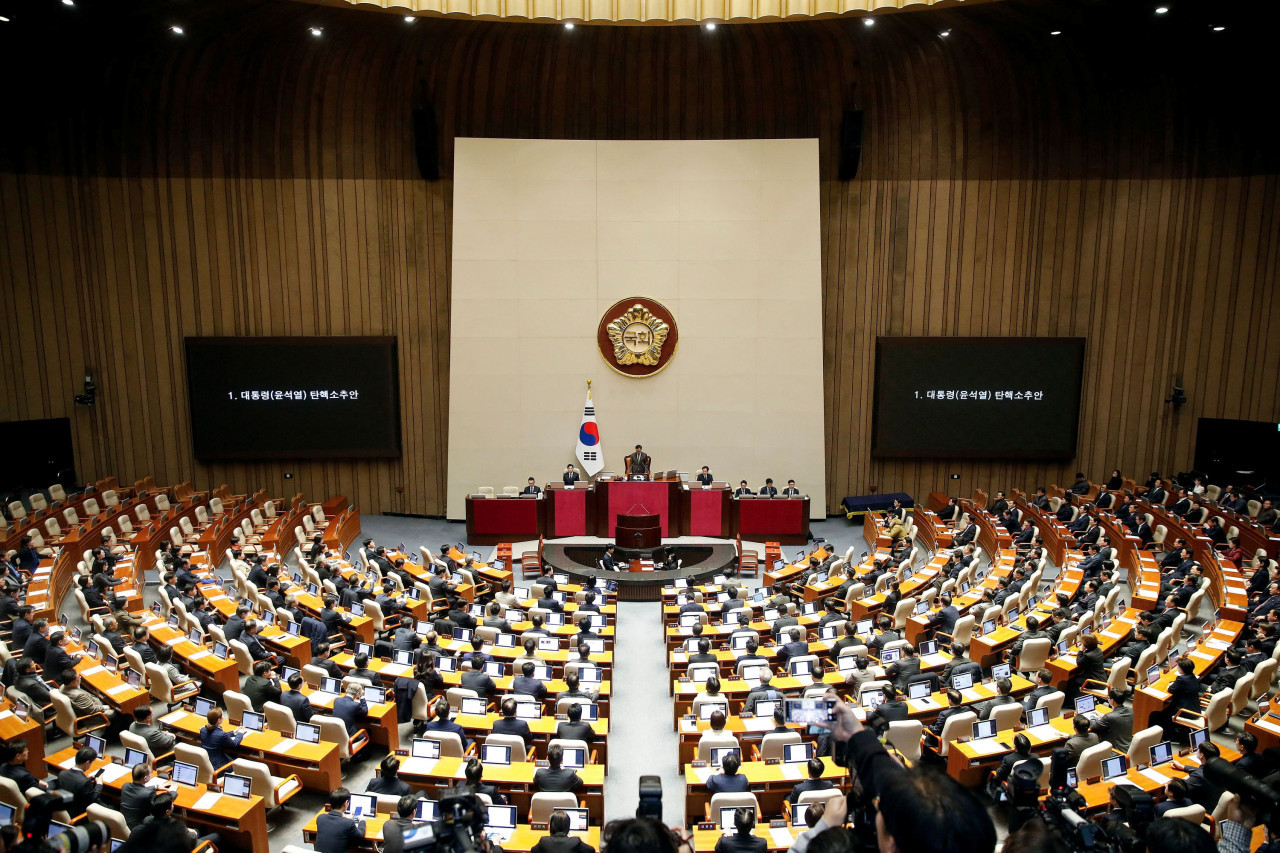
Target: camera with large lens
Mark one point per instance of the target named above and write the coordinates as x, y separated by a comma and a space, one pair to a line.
1258, 795
460, 828
80, 838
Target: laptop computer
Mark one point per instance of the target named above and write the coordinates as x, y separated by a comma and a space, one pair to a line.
365, 649
404, 657
134, 757
97, 744
706, 709
795, 753
890, 655
424, 748
237, 786
362, 805
1085, 707
872, 699
579, 819
575, 757
1198, 737
185, 774
1001, 670
528, 711
928, 647
330, 685
307, 732
202, 706
491, 754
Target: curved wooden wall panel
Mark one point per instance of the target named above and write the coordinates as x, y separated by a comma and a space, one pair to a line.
251, 179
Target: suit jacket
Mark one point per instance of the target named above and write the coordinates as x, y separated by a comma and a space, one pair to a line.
570, 477
386, 785
351, 712
260, 689
216, 742
531, 490
966, 536
706, 479
562, 779
513, 726
888, 712
297, 701
1116, 726
769, 491
35, 688
984, 709
82, 789
938, 724
135, 803
1077, 744
479, 681
336, 833
529, 686
720, 783
806, 785
56, 660
638, 463
739, 843
1185, 693
158, 740
1033, 697
562, 844
576, 731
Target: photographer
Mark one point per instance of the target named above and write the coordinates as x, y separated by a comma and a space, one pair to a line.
1237, 830
918, 810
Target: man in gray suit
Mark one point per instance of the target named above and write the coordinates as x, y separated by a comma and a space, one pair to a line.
1117, 724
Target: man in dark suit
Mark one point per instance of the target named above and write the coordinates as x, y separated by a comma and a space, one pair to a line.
638, 462
525, 683
1082, 485
558, 839
75, 781
608, 562
955, 705
136, 796
728, 780
1117, 724
769, 491
555, 779
263, 686
439, 585
1044, 686
795, 647
335, 832
742, 490
573, 728
1105, 498
549, 603
960, 664
964, 537
321, 660
295, 700
494, 618
815, 782
235, 623
999, 505
57, 660
351, 708
477, 679
508, 724
705, 478
440, 722
1199, 788
944, 621
570, 476
1003, 688
891, 710
1183, 504
531, 488
791, 489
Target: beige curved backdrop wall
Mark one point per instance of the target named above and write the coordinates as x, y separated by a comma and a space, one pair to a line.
549, 233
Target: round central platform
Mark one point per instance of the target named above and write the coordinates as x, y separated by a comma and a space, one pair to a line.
699, 562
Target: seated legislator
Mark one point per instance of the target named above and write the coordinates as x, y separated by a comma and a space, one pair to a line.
638, 462
728, 780
558, 839
555, 778
743, 839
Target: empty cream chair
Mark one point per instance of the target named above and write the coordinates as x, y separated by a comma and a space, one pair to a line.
544, 803
112, 818
244, 660
162, 503
280, 717
514, 742
1034, 654
91, 508
205, 771
57, 493
334, 730
215, 506
1140, 746
511, 491
821, 796
1053, 701
39, 503
17, 510
274, 790
12, 795
131, 741
237, 704
1090, 763
143, 514
70, 518
1006, 716
905, 736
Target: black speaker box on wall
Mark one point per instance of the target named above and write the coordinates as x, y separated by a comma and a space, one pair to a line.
850, 144
426, 144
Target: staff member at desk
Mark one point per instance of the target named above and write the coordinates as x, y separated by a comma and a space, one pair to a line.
790, 489
769, 490
570, 475
532, 488
705, 477
742, 490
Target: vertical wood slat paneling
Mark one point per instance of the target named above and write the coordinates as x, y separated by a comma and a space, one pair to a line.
254, 180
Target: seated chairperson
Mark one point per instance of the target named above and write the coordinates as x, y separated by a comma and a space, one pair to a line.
556, 779
608, 561
216, 741
531, 488
558, 839
742, 490
919, 808
335, 832
158, 741
389, 781
351, 708
136, 796
573, 728
705, 478
263, 686
955, 705
743, 839
295, 700
527, 685
570, 476
508, 724
891, 710
728, 780
475, 782
15, 767
815, 782
791, 489
440, 722
1117, 724
1082, 739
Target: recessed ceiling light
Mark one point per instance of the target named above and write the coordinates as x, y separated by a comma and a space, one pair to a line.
1218, 29
1162, 10
68, 2
568, 25
177, 30
710, 25
317, 32
945, 33
1056, 33
868, 22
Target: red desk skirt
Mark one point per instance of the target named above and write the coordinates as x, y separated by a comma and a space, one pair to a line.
514, 517
706, 512
772, 518
652, 496
570, 511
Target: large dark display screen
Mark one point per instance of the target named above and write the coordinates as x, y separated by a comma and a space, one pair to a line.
1015, 398
293, 398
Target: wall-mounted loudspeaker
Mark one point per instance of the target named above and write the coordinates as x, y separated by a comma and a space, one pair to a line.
850, 144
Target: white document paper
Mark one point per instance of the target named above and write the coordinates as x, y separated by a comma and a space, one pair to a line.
1155, 776
781, 837
93, 670
987, 746
112, 772
119, 688
208, 801
286, 744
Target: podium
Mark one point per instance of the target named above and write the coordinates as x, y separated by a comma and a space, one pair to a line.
638, 531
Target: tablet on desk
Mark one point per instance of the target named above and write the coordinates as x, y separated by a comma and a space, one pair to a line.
490, 754
1037, 717
1161, 752
528, 711
203, 706
706, 709
579, 819
329, 684
253, 721
365, 649
134, 757
575, 758
918, 690
237, 786
962, 680
474, 706
307, 732
362, 805
720, 753
796, 753
185, 774
1001, 670
427, 810
424, 748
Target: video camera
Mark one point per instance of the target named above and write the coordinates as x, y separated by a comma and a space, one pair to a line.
80, 838
460, 828
1258, 795
1063, 812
